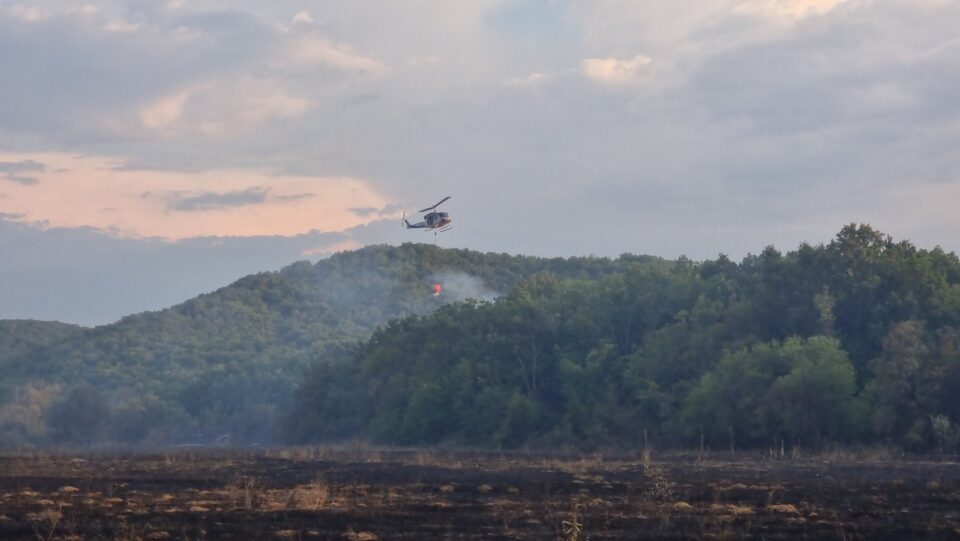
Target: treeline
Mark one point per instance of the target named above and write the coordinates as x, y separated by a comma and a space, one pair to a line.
226, 363
856, 341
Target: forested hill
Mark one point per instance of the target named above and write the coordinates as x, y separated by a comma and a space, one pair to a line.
856, 341
20, 337
227, 362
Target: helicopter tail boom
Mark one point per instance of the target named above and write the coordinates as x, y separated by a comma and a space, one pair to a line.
408, 225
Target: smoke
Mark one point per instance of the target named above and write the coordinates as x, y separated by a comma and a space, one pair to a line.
460, 286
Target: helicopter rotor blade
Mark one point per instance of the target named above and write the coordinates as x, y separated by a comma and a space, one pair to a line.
437, 205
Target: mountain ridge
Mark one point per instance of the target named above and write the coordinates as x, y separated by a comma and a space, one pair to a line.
227, 361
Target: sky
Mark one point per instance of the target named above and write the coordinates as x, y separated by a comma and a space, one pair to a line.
152, 150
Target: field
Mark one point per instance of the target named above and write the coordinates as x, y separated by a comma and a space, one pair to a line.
364, 494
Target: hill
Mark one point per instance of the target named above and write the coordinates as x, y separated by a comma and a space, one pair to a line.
855, 341
20, 337
226, 363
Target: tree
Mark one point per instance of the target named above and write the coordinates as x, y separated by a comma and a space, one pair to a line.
520, 424
428, 417
801, 388
815, 401
79, 417
734, 395
894, 392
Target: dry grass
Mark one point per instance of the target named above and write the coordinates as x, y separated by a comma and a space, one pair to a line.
784, 508
499, 493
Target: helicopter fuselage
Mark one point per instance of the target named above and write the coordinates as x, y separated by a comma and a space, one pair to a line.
437, 219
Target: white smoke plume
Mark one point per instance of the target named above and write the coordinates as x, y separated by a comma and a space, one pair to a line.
460, 286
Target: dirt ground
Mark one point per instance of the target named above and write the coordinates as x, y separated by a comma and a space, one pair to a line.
361, 494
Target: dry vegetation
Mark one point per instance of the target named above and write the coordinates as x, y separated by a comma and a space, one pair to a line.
364, 494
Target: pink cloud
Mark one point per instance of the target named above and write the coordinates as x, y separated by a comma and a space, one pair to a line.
73, 191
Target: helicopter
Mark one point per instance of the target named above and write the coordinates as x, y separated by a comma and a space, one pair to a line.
438, 222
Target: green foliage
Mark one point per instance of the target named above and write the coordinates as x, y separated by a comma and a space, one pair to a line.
227, 363
80, 416
914, 381
816, 400
850, 341
735, 395
856, 340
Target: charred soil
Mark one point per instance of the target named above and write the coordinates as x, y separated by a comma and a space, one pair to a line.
362, 494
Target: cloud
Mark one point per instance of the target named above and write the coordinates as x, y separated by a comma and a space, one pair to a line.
751, 113
21, 179
222, 107
13, 171
857, 71
534, 79
119, 25
173, 204
302, 17
30, 14
293, 197
22, 166
614, 71
136, 166
310, 51
787, 9
386, 210
363, 212
142, 71
181, 201
164, 111
192, 201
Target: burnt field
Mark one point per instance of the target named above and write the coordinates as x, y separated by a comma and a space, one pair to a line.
362, 494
